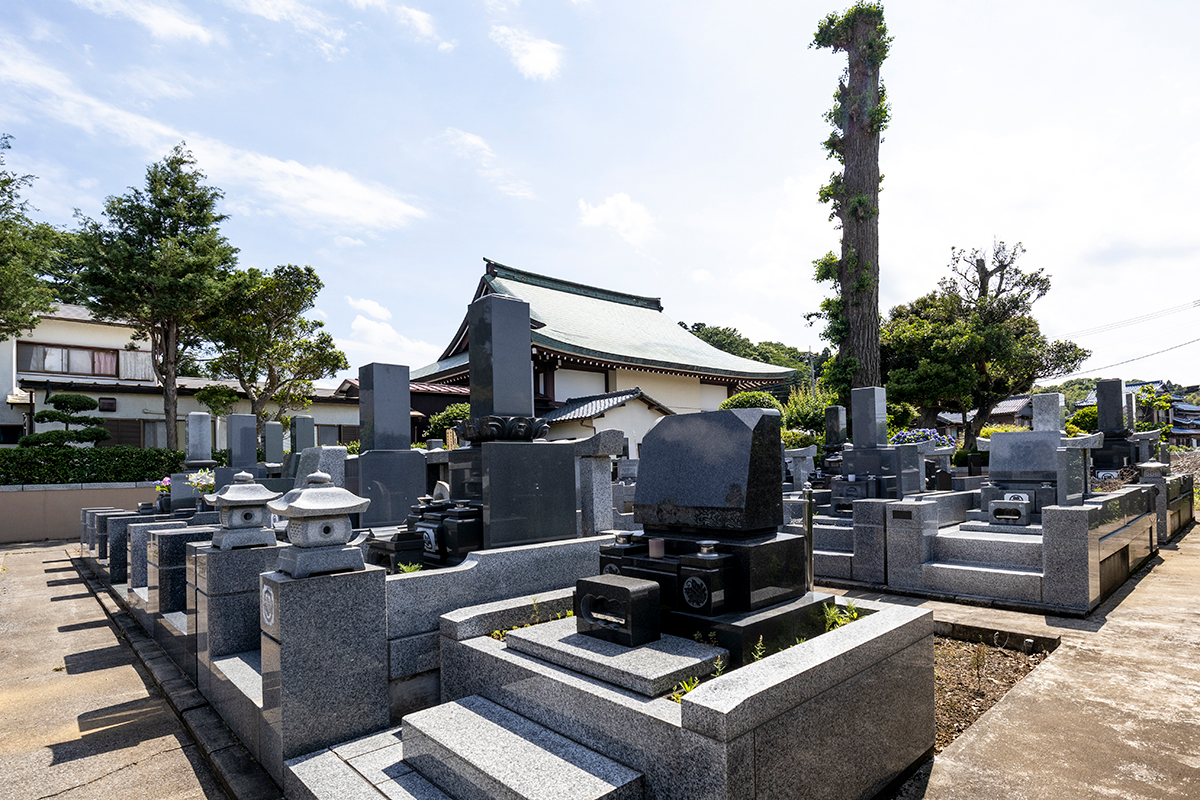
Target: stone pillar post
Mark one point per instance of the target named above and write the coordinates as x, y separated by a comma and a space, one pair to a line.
911, 526
595, 479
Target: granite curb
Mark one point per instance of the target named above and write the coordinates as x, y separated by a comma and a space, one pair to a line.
825, 582
240, 775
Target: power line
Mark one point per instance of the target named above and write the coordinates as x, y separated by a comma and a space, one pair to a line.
1112, 326
1131, 360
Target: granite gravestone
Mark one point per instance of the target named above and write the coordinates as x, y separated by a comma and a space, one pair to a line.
303, 436
241, 439
522, 490
199, 441
273, 445
384, 407
709, 498
873, 468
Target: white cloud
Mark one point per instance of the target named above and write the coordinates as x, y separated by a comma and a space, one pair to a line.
163, 18
305, 19
369, 307
472, 147
347, 241
379, 341
152, 86
535, 58
420, 22
311, 195
632, 221
316, 312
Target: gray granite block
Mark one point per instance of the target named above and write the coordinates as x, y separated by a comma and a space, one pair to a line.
321, 775
650, 669
1067, 522
482, 619
416, 600
887, 711
232, 571
474, 749
167, 587
118, 543
382, 765
913, 514
11, 488
870, 553
368, 744
870, 511
868, 413
833, 565
1023, 585
835, 538
907, 550
168, 548
226, 624
204, 518
313, 630
234, 689
414, 654
993, 549
740, 701
410, 786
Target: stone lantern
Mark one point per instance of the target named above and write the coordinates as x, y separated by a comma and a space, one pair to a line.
319, 528
243, 513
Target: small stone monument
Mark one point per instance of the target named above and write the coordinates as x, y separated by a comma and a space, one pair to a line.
199, 441
241, 437
273, 446
242, 506
319, 528
873, 468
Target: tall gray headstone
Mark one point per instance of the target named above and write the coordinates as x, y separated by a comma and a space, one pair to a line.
273, 443
383, 407
1110, 405
835, 425
1049, 412
501, 368
241, 437
868, 405
1131, 414
199, 440
304, 433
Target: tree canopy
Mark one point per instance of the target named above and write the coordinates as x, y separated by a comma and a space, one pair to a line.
732, 341
26, 251
159, 262
975, 341
261, 338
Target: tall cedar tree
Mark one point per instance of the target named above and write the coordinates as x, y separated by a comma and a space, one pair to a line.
974, 342
263, 341
158, 262
859, 114
26, 248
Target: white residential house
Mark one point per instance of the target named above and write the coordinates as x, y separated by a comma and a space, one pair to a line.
70, 351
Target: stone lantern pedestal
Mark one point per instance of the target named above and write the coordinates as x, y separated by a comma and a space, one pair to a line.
323, 623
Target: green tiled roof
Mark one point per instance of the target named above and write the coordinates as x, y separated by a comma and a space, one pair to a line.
609, 326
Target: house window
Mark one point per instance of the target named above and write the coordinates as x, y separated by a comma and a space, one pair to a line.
66, 360
11, 434
122, 431
333, 435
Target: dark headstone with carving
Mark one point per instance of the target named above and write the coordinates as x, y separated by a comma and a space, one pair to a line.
712, 472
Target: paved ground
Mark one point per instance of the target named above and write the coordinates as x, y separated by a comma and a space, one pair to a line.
1114, 712
78, 719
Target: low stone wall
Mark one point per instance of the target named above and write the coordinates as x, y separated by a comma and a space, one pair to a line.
35, 513
840, 715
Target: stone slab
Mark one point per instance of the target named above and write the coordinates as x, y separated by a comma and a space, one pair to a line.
474, 749
650, 669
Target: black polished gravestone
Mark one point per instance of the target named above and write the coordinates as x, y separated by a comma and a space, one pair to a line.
709, 498
506, 487
384, 407
873, 468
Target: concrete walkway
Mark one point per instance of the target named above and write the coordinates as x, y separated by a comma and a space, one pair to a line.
1114, 712
78, 716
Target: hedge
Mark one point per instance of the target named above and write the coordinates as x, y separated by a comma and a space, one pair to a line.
120, 464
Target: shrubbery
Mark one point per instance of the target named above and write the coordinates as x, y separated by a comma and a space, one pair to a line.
751, 400
60, 464
443, 420
959, 459
1085, 418
991, 430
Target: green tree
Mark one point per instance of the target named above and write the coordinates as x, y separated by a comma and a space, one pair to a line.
66, 411
728, 339
779, 354
859, 115
218, 399
974, 342
751, 400
158, 262
445, 419
26, 250
262, 339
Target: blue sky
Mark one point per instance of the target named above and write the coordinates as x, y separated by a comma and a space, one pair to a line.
669, 149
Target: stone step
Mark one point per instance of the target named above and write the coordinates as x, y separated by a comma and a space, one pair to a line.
830, 519
832, 564
1019, 550
833, 538
980, 580
473, 749
1034, 529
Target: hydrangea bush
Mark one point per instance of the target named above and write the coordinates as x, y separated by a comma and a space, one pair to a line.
922, 435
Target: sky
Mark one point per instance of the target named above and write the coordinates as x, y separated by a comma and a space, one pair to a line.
668, 149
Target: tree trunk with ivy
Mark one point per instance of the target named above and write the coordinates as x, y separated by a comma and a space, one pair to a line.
859, 115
